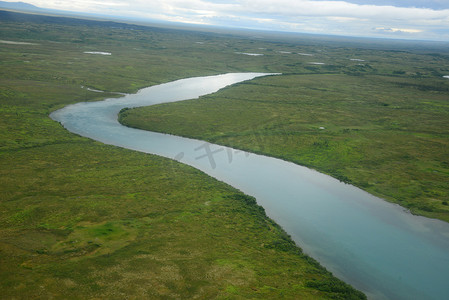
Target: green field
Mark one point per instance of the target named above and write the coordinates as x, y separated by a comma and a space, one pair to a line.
82, 220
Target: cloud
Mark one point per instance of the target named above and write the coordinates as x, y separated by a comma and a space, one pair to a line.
328, 17
433, 4
339, 9
351, 17
79, 5
397, 30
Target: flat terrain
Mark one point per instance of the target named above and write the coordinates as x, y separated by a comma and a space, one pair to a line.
82, 220
377, 119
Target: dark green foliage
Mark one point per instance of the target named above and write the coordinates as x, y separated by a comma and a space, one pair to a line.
346, 292
251, 202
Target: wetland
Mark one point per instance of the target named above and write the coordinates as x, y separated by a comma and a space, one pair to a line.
81, 219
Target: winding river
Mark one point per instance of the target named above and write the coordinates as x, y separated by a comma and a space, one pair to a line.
376, 246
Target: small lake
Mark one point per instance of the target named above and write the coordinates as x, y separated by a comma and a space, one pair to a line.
376, 246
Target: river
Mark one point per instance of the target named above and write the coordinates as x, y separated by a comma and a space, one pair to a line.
377, 247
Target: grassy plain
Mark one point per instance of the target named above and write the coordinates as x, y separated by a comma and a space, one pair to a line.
82, 220
374, 118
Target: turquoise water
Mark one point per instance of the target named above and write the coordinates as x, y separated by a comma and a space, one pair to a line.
376, 246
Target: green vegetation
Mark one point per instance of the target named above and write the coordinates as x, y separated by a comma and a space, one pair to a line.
379, 122
83, 220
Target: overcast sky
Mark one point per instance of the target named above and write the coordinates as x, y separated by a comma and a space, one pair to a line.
411, 19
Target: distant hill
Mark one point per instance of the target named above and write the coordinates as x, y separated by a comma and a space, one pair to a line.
15, 16
23, 7
19, 6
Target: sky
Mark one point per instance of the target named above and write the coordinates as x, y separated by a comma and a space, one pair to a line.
407, 19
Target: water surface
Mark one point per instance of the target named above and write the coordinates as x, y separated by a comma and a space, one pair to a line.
376, 246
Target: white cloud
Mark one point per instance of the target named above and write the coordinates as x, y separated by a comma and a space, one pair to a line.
79, 5
330, 17
398, 30
340, 9
345, 19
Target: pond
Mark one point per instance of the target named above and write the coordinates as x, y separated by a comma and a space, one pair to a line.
378, 247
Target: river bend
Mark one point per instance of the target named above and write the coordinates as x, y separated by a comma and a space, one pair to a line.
376, 246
